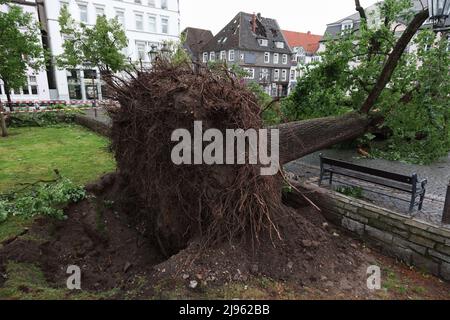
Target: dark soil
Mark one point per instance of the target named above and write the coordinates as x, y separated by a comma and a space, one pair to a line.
113, 255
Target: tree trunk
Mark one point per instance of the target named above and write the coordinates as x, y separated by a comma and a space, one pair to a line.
8, 95
3, 122
298, 139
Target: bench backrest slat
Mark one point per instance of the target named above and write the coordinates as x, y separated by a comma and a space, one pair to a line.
375, 172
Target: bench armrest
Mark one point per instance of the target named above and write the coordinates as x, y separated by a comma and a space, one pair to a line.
424, 183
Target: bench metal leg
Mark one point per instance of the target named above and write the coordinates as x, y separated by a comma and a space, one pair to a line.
331, 178
422, 198
412, 204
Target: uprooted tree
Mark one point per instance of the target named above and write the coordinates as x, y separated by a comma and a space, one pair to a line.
175, 204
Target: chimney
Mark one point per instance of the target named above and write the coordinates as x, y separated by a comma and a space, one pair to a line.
254, 23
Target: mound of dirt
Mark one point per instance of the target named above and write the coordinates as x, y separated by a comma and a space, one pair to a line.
112, 253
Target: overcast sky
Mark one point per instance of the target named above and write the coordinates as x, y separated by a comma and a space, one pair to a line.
294, 15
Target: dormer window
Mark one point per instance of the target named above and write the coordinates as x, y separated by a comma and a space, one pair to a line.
279, 44
263, 42
347, 25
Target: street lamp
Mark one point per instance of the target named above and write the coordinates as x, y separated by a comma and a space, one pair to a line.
153, 53
439, 12
165, 51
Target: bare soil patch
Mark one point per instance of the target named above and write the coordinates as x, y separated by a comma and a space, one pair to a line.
314, 260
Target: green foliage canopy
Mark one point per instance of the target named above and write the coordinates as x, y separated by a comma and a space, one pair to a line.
415, 103
20, 46
99, 46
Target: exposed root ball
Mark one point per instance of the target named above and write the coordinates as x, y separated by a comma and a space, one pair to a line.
174, 203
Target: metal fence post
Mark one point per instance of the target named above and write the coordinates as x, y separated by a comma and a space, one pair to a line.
446, 213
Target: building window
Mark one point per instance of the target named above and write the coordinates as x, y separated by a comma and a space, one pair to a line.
223, 55
74, 84
151, 3
347, 25
31, 86
279, 44
276, 75
91, 84
165, 25
140, 48
250, 73
120, 15
264, 75
205, 57
83, 12
212, 56
164, 4
139, 21
293, 75
152, 23
231, 55
100, 11
285, 59
138, 1
284, 75
267, 57
276, 58
263, 42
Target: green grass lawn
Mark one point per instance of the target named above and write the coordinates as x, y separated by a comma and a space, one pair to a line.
31, 154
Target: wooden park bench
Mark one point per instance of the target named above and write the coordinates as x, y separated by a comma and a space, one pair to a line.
410, 184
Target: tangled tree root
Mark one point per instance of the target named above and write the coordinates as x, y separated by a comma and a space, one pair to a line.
174, 203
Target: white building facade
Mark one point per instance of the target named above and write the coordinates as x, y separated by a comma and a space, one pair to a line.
37, 83
146, 23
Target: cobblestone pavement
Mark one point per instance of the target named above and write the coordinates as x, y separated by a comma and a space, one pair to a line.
438, 176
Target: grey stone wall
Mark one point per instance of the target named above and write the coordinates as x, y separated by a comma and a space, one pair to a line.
94, 125
416, 243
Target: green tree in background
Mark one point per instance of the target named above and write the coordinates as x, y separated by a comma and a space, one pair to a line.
414, 105
20, 49
98, 46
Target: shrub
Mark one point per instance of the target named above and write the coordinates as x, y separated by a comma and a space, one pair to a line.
42, 119
48, 199
350, 191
